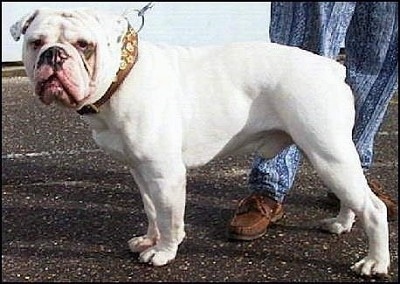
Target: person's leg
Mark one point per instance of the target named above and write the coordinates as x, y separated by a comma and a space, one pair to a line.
274, 177
298, 24
319, 27
372, 66
372, 70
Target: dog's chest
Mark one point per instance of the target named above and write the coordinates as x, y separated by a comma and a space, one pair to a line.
111, 142
109, 139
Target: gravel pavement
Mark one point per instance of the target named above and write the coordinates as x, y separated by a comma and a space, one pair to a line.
68, 210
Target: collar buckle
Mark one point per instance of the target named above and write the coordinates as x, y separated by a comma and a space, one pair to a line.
88, 109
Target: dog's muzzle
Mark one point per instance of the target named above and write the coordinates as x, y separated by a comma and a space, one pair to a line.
54, 56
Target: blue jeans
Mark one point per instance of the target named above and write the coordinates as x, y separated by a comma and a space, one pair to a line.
369, 32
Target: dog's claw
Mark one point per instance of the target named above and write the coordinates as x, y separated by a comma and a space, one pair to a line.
140, 244
157, 257
369, 266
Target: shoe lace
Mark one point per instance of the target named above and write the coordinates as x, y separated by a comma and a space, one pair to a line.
253, 203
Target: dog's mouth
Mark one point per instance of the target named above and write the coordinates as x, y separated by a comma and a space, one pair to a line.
53, 89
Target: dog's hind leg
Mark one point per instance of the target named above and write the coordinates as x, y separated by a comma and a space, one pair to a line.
320, 118
341, 171
340, 224
374, 220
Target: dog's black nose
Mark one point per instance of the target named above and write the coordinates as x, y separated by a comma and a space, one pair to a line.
54, 56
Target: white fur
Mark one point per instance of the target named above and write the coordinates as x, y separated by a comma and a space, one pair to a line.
182, 107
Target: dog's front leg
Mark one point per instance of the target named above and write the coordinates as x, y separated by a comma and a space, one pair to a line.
141, 243
164, 193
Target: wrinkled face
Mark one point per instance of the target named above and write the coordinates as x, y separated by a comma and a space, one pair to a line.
71, 57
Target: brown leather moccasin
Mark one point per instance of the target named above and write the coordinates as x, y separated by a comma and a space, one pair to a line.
253, 216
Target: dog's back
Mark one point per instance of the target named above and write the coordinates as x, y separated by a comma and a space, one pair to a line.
246, 96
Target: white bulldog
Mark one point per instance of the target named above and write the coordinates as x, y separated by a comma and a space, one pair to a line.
163, 109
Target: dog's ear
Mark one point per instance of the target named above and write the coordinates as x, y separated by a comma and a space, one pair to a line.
118, 26
20, 27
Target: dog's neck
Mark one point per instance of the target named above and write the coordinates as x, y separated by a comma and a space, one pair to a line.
129, 54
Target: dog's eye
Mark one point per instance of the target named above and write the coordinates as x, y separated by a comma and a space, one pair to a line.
36, 44
82, 44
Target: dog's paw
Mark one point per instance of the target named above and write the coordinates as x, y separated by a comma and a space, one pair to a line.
333, 226
140, 244
369, 266
158, 256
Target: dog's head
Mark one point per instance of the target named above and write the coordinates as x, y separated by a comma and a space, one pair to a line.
71, 57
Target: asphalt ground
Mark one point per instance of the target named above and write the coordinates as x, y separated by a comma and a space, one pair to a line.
68, 210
